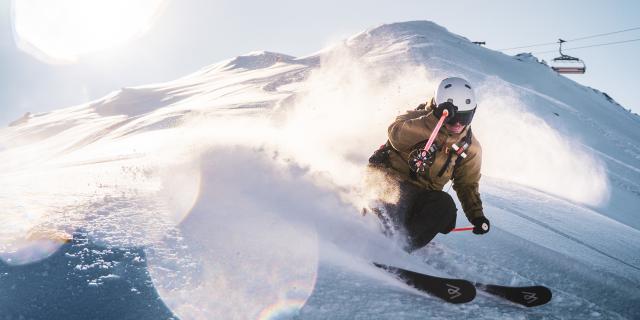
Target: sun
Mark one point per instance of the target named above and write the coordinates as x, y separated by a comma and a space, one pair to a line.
61, 31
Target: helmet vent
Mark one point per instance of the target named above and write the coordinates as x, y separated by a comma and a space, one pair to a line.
468, 101
447, 86
468, 86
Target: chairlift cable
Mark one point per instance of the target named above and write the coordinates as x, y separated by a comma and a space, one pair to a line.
575, 39
530, 46
590, 46
603, 34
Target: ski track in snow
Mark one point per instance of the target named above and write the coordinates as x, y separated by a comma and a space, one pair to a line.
237, 186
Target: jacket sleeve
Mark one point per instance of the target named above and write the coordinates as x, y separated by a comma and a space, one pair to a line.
466, 178
407, 130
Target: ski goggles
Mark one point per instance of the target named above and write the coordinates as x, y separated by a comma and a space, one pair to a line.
462, 117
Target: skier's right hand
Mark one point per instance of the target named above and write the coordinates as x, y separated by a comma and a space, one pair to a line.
437, 111
481, 225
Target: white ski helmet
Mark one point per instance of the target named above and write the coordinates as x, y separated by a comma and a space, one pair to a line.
459, 92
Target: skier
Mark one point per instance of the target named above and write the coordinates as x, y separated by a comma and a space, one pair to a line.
422, 209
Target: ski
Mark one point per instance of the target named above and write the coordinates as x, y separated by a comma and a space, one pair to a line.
449, 290
462, 291
532, 296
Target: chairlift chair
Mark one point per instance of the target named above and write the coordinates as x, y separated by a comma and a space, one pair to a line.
567, 64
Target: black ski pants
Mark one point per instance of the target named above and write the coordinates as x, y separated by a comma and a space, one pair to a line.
422, 214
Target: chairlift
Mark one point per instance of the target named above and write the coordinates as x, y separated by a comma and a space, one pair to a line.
567, 64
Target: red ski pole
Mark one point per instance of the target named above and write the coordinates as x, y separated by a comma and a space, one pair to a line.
445, 114
469, 228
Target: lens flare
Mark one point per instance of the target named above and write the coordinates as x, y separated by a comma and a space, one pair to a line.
39, 245
244, 250
282, 310
61, 31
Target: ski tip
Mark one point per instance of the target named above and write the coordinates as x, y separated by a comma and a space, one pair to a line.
544, 294
534, 296
462, 299
531, 296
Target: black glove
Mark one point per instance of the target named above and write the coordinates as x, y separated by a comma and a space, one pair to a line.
437, 111
481, 225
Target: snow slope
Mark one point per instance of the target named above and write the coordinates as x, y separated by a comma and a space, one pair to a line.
235, 192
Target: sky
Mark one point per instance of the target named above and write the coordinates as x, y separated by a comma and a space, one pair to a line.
191, 34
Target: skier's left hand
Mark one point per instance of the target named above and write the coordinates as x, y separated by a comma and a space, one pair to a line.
451, 109
481, 225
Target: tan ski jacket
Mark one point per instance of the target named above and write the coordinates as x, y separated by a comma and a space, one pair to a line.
415, 127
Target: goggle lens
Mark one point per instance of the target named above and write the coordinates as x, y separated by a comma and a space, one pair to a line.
463, 117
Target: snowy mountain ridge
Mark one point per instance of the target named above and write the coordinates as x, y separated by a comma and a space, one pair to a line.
244, 179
